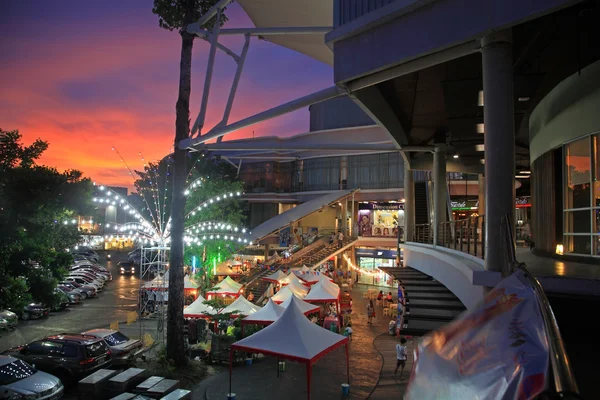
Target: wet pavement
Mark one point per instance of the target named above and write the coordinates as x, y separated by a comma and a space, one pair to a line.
112, 304
260, 380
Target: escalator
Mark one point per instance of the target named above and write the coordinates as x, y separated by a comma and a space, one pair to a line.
421, 203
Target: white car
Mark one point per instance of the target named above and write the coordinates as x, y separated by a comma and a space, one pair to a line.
19, 380
85, 282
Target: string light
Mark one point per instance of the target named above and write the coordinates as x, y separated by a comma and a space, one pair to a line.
354, 267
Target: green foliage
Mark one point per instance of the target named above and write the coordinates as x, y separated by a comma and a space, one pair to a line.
177, 14
34, 202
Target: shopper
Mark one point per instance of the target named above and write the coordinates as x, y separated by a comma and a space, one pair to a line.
389, 297
348, 332
370, 312
401, 356
331, 238
380, 295
340, 239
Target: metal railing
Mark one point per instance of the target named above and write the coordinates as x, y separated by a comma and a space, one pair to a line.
465, 235
562, 375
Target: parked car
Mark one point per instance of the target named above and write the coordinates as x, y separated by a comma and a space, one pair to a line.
83, 281
88, 277
19, 380
70, 357
122, 348
71, 290
10, 317
94, 270
126, 267
62, 301
34, 311
87, 291
74, 298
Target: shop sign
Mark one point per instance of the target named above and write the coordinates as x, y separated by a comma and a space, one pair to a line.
381, 206
376, 253
521, 202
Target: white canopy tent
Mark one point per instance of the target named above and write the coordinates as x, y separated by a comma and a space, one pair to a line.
277, 276
320, 293
198, 309
241, 306
305, 307
265, 316
286, 292
188, 283
291, 277
292, 336
227, 287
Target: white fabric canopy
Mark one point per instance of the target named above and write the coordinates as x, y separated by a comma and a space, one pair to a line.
276, 276
198, 309
320, 293
298, 288
269, 313
241, 306
291, 277
224, 268
309, 277
285, 293
329, 285
294, 214
188, 283
304, 268
236, 262
305, 307
226, 287
293, 336
293, 13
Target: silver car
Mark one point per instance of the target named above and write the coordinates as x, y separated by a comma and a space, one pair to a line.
10, 317
19, 380
122, 348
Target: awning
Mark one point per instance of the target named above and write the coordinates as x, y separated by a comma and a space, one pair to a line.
198, 309
287, 292
319, 293
305, 307
266, 315
227, 287
294, 13
275, 277
241, 306
189, 284
300, 211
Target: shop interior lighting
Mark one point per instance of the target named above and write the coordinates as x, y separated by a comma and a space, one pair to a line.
455, 156
480, 128
479, 147
522, 177
480, 99
525, 98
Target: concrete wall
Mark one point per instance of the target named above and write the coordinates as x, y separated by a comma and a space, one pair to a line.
453, 269
569, 111
340, 112
321, 220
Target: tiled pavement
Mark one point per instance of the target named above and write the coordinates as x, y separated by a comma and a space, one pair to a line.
370, 345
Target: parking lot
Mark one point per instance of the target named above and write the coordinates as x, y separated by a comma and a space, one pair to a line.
112, 304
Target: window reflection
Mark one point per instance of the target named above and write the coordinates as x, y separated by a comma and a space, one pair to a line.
578, 174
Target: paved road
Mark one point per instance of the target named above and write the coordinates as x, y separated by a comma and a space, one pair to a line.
112, 304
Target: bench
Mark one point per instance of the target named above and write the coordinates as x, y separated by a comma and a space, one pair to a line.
93, 386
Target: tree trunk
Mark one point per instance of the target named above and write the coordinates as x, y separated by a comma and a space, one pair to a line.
175, 346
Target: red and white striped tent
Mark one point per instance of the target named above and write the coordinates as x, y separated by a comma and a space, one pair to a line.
198, 309
293, 337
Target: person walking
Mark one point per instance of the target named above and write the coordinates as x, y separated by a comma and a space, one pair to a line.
370, 312
340, 239
401, 356
331, 238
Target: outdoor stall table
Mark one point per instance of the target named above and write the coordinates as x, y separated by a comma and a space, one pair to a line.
328, 321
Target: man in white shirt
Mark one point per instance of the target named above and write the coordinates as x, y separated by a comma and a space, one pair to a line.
340, 239
401, 356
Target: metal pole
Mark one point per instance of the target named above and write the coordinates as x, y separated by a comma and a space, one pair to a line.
234, 86
214, 38
439, 192
282, 109
499, 142
409, 202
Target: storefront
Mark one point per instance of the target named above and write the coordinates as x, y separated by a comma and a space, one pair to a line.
369, 261
464, 208
380, 219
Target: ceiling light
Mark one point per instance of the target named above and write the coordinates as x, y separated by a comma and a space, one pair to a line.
522, 177
524, 98
525, 172
479, 147
480, 99
482, 161
480, 128
455, 156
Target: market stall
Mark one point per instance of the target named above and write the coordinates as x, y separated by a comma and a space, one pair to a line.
241, 306
321, 292
275, 277
265, 316
289, 291
227, 287
306, 308
198, 309
304, 342
291, 277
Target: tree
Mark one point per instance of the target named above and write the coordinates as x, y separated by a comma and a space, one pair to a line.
34, 202
178, 14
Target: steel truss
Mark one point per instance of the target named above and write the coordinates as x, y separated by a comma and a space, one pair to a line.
152, 300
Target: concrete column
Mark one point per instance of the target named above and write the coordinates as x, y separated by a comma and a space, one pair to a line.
267, 248
409, 203
439, 191
499, 128
481, 195
344, 173
344, 217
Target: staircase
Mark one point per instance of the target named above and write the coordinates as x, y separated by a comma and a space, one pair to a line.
421, 204
321, 254
429, 305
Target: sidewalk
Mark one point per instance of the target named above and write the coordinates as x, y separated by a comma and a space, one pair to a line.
260, 381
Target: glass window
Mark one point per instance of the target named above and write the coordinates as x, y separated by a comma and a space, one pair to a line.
116, 339
15, 371
578, 160
577, 221
577, 244
596, 150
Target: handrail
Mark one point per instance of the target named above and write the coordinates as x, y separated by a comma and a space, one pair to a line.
564, 379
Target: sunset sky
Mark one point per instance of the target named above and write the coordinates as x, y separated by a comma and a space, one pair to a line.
87, 75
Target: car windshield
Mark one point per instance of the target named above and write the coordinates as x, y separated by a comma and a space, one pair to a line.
96, 349
15, 371
116, 339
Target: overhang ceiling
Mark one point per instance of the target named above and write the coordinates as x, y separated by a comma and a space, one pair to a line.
294, 13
